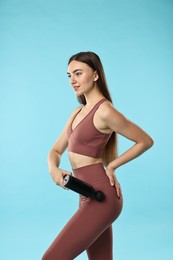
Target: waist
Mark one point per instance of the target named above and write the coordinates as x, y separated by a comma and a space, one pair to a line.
79, 160
93, 173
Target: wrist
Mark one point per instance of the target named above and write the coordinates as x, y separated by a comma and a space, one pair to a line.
52, 169
112, 165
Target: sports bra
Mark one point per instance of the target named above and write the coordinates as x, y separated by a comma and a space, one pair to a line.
86, 139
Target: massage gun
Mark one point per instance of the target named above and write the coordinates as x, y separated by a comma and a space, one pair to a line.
82, 188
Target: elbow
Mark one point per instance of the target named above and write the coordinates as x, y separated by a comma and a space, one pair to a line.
149, 143
54, 152
152, 142
53, 156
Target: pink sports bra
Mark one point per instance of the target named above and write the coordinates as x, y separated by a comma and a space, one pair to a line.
85, 139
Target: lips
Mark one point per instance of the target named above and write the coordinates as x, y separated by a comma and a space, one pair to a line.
76, 88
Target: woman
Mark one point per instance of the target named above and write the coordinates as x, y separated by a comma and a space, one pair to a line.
90, 136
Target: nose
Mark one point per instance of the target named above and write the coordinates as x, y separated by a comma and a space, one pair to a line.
72, 80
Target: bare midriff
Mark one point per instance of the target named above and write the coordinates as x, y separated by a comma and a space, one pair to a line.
79, 160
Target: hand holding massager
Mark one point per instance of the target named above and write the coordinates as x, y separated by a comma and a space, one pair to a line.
83, 188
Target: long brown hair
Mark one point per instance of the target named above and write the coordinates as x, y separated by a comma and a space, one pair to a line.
94, 62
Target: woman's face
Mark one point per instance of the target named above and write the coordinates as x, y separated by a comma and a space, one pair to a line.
82, 77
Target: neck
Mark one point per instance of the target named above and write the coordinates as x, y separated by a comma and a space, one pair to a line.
93, 97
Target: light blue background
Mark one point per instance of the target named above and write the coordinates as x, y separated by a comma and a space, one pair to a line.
134, 40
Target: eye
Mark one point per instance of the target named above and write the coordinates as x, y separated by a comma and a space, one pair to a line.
78, 74
68, 75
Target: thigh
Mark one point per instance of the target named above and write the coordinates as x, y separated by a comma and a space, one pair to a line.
90, 221
71, 241
79, 233
101, 249
82, 230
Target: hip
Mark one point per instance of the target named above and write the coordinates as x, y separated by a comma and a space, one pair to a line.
95, 175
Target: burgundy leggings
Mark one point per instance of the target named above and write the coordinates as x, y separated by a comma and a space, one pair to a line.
90, 227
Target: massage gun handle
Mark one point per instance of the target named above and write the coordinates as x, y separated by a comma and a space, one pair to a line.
78, 186
82, 187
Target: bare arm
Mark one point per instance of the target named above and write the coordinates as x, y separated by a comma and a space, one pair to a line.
56, 152
54, 158
118, 123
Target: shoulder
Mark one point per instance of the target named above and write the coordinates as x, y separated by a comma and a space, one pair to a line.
106, 109
72, 115
109, 114
74, 112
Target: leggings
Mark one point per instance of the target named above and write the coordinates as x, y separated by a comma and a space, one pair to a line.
90, 227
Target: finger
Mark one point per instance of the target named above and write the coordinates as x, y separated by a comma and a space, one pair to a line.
118, 193
62, 186
112, 180
62, 182
62, 179
66, 173
118, 190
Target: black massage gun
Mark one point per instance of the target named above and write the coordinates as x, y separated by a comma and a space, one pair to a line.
82, 188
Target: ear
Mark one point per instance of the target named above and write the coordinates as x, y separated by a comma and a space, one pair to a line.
96, 76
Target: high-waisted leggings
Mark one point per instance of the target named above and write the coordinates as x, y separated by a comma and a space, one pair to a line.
90, 227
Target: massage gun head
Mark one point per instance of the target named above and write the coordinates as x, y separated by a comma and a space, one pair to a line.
99, 196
